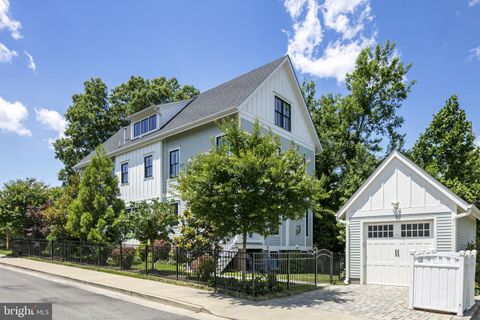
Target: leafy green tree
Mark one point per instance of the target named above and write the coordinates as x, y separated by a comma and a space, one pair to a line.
90, 123
357, 130
57, 214
96, 213
16, 198
447, 151
152, 221
247, 186
139, 93
196, 233
96, 114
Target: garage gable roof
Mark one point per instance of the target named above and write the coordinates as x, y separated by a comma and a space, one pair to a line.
413, 166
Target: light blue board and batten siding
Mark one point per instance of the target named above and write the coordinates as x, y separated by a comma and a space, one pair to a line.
190, 143
138, 187
443, 230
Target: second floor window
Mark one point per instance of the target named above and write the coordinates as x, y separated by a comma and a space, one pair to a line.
219, 141
174, 163
148, 164
144, 126
282, 114
124, 173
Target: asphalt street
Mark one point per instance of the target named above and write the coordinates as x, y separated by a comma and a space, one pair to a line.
70, 302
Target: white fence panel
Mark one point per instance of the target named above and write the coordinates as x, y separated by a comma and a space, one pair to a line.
443, 281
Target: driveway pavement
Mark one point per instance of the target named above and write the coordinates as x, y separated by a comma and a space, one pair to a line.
365, 301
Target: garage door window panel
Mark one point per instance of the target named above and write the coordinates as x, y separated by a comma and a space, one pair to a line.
415, 230
380, 231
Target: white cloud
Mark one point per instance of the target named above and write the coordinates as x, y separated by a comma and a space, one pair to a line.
7, 22
6, 54
471, 3
475, 53
31, 63
346, 19
477, 141
52, 120
12, 114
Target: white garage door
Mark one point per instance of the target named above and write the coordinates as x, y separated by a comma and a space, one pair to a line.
388, 248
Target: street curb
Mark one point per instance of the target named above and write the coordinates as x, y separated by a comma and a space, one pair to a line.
164, 300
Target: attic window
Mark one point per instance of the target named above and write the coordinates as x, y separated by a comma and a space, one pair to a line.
282, 114
144, 126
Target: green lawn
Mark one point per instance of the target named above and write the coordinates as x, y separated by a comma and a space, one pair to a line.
5, 252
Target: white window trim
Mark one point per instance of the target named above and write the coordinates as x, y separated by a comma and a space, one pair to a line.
168, 162
148, 132
128, 172
151, 153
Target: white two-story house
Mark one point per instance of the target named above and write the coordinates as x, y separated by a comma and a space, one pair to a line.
155, 147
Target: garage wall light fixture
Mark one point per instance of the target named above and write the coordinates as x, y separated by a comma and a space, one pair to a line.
395, 205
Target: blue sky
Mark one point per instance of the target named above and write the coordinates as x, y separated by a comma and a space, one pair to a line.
49, 48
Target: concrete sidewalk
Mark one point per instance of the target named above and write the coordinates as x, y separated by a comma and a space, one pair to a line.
181, 296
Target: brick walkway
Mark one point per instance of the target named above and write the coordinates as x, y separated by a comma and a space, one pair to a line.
365, 301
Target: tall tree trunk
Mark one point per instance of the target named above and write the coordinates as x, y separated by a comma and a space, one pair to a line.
244, 258
7, 240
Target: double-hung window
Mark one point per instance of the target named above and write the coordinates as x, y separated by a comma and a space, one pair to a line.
148, 166
174, 163
282, 114
124, 173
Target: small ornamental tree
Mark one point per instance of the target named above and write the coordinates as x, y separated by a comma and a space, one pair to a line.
96, 213
247, 186
196, 233
152, 221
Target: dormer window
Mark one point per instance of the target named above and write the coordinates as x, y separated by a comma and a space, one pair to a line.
144, 126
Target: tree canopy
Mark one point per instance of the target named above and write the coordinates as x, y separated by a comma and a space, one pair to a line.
447, 151
358, 129
246, 185
96, 114
18, 201
97, 211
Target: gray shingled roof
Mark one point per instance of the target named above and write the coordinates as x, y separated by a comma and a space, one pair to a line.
227, 95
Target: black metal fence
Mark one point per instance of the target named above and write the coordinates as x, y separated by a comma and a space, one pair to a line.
254, 273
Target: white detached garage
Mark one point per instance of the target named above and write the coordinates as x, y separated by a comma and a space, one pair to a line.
399, 208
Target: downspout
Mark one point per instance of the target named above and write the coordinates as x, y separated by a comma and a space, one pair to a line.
347, 250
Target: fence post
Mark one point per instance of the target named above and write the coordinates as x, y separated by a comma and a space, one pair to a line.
30, 248
316, 266
146, 258
215, 262
63, 251
331, 267
253, 273
52, 247
288, 270
176, 261
81, 252
99, 250
121, 255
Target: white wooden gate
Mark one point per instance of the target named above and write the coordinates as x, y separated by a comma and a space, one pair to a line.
443, 281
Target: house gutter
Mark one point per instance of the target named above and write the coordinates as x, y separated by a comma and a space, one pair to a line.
347, 250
